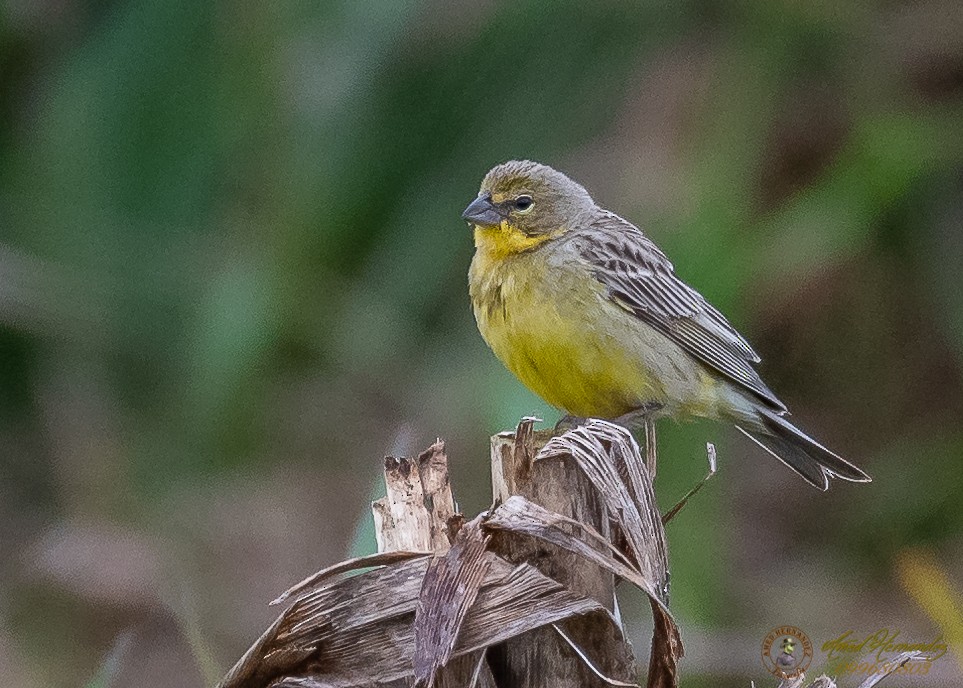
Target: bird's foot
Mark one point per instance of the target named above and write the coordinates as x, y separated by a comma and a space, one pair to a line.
568, 422
644, 416
637, 418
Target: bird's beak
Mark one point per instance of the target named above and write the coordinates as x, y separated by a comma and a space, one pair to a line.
482, 212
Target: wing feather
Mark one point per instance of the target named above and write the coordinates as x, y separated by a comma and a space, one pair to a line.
639, 277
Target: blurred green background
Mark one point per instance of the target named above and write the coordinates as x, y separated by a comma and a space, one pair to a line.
233, 277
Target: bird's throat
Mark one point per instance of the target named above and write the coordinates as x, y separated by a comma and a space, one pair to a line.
505, 240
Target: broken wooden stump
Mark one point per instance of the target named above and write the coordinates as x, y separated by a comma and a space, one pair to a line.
414, 514
546, 657
521, 595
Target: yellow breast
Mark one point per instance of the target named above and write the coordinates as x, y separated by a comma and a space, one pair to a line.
557, 333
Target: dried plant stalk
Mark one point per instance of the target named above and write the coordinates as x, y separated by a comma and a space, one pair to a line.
543, 658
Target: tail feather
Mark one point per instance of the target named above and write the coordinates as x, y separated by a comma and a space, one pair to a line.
800, 452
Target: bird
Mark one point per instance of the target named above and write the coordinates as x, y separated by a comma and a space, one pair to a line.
785, 659
588, 313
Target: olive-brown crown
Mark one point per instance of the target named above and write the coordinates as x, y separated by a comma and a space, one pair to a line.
536, 198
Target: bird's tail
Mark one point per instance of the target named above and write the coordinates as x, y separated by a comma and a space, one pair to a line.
800, 452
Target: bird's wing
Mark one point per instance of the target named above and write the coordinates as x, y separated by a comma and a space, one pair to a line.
639, 278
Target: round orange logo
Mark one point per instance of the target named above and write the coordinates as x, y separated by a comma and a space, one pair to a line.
786, 652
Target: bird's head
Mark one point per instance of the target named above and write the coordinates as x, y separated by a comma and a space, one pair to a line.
522, 204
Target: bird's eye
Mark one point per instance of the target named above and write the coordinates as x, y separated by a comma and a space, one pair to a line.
523, 203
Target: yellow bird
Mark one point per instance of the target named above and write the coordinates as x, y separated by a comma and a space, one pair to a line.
589, 314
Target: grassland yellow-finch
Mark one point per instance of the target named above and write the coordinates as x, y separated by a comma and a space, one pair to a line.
589, 314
